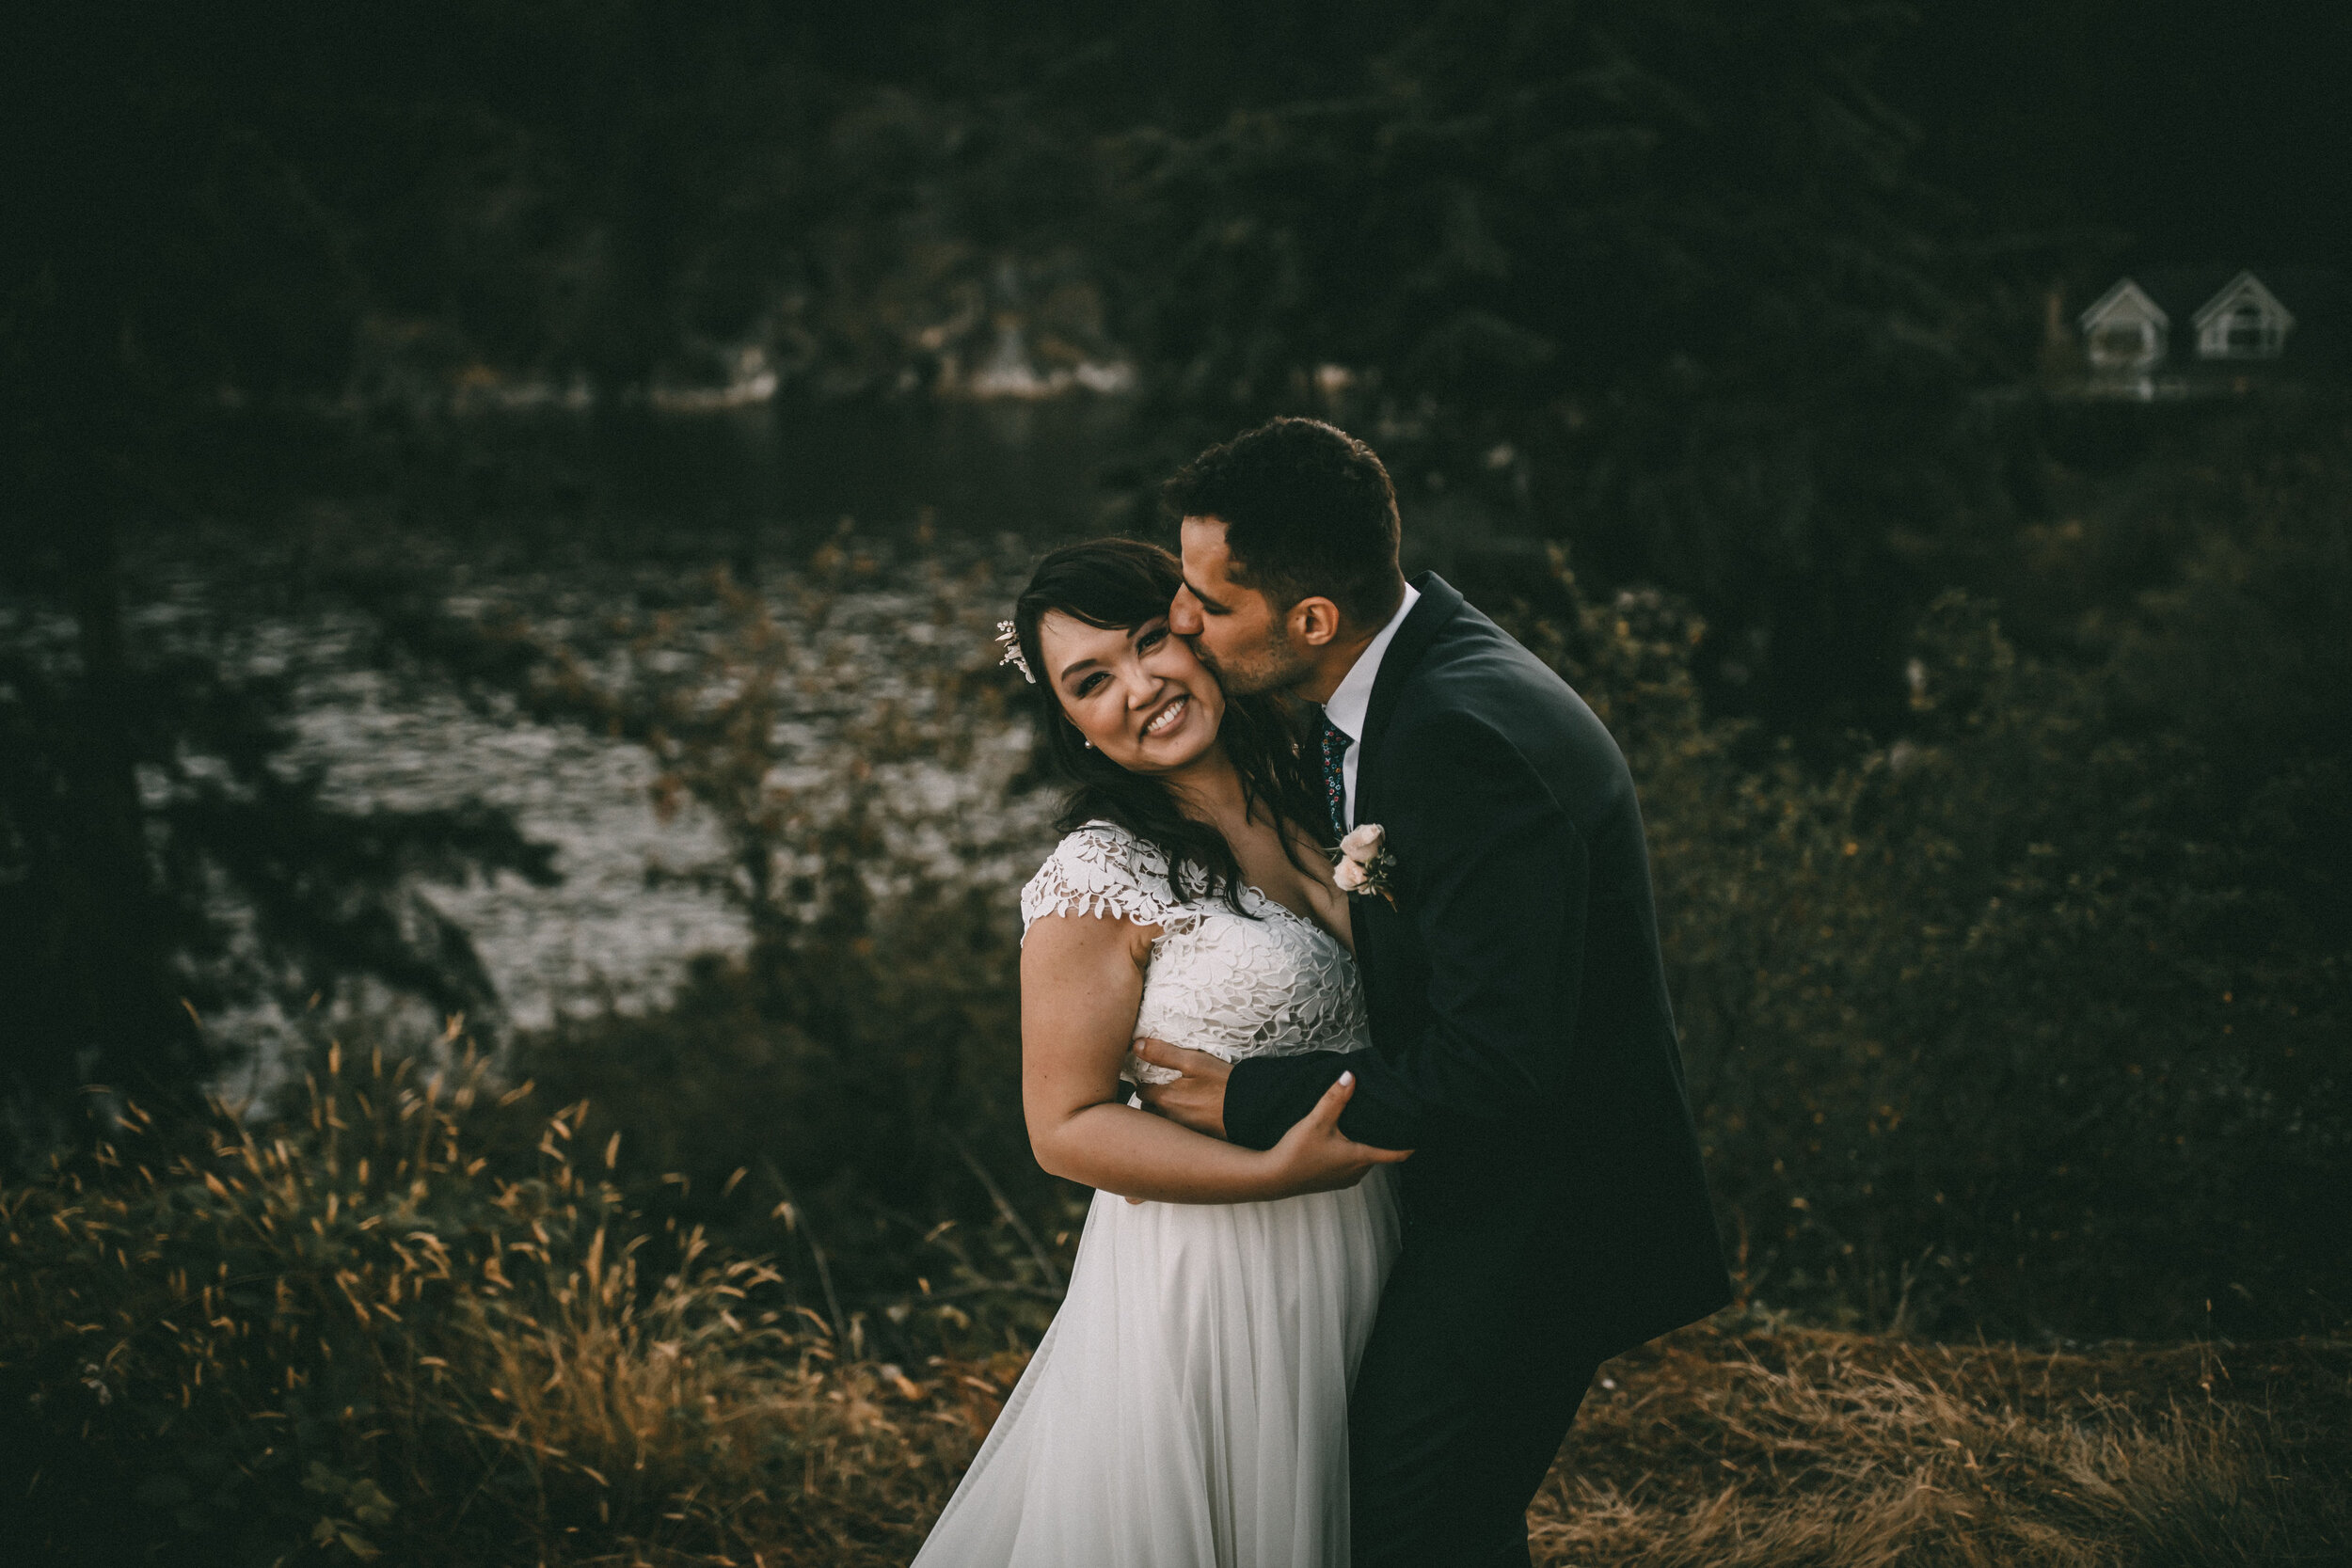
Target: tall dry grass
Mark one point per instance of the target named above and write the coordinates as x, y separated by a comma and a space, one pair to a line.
420, 1323
358, 1336
1798, 1449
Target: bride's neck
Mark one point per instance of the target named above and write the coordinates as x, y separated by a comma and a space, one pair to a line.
1209, 790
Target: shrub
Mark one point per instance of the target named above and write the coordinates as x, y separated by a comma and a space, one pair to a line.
360, 1334
2008, 1024
848, 730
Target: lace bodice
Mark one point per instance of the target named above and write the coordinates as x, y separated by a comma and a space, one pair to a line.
1218, 982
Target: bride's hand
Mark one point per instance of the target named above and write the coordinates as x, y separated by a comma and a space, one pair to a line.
1314, 1156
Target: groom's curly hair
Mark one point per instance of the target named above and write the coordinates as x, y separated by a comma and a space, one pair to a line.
1119, 584
1307, 509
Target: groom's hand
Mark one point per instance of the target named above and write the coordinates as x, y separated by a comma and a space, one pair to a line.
1198, 1099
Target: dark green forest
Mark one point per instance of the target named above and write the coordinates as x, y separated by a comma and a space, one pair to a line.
1993, 737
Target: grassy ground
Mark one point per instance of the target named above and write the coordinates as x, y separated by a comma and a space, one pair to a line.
359, 1341
1742, 1446
1802, 1447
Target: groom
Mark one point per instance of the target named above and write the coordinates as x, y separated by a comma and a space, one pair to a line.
1555, 1212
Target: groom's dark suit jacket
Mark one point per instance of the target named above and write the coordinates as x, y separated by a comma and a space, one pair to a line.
1522, 1042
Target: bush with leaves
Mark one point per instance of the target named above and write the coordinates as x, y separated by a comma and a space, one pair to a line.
849, 732
2030, 1020
159, 860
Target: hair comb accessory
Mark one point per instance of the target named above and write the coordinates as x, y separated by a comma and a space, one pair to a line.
1011, 640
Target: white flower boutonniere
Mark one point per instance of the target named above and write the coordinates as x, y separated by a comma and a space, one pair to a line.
1363, 864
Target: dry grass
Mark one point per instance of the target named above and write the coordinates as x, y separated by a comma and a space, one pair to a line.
1781, 1446
356, 1340
1805, 1448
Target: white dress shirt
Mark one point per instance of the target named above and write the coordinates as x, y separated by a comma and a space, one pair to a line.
1350, 699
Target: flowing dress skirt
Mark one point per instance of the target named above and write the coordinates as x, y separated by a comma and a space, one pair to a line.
1188, 1406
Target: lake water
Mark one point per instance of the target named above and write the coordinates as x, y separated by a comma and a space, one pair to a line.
604, 536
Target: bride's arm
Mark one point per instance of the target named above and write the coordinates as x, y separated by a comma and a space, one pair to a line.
1081, 985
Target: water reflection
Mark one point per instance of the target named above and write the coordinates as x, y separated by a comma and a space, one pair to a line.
604, 534
591, 531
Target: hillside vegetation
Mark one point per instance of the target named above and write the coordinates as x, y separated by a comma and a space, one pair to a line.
396, 1329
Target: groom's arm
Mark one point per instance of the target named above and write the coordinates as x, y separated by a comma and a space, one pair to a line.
1496, 878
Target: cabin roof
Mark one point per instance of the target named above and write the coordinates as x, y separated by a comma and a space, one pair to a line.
2125, 301
2186, 292
2243, 286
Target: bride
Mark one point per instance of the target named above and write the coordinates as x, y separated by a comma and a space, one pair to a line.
1188, 1406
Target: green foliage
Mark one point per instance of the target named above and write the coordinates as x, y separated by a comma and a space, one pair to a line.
1655, 280
363, 1498
161, 861
1670, 263
861, 1059
2036, 1018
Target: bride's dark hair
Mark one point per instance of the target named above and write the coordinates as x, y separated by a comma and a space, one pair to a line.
1122, 584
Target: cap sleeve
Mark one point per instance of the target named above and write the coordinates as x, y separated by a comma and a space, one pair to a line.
1102, 869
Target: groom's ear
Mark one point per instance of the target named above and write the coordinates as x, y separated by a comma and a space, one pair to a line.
1314, 621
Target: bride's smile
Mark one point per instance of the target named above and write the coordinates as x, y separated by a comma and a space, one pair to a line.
1138, 694
1167, 715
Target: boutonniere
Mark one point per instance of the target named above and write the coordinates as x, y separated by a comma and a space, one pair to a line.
1363, 864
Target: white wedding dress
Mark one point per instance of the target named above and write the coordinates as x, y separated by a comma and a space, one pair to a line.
1188, 1406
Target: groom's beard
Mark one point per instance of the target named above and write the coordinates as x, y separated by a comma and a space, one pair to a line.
1270, 666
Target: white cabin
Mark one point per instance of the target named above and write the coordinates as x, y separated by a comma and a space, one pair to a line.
2244, 321
2125, 332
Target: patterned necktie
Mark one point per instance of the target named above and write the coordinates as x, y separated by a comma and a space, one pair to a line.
1335, 744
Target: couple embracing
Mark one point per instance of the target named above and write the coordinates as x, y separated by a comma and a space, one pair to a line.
1393, 1150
